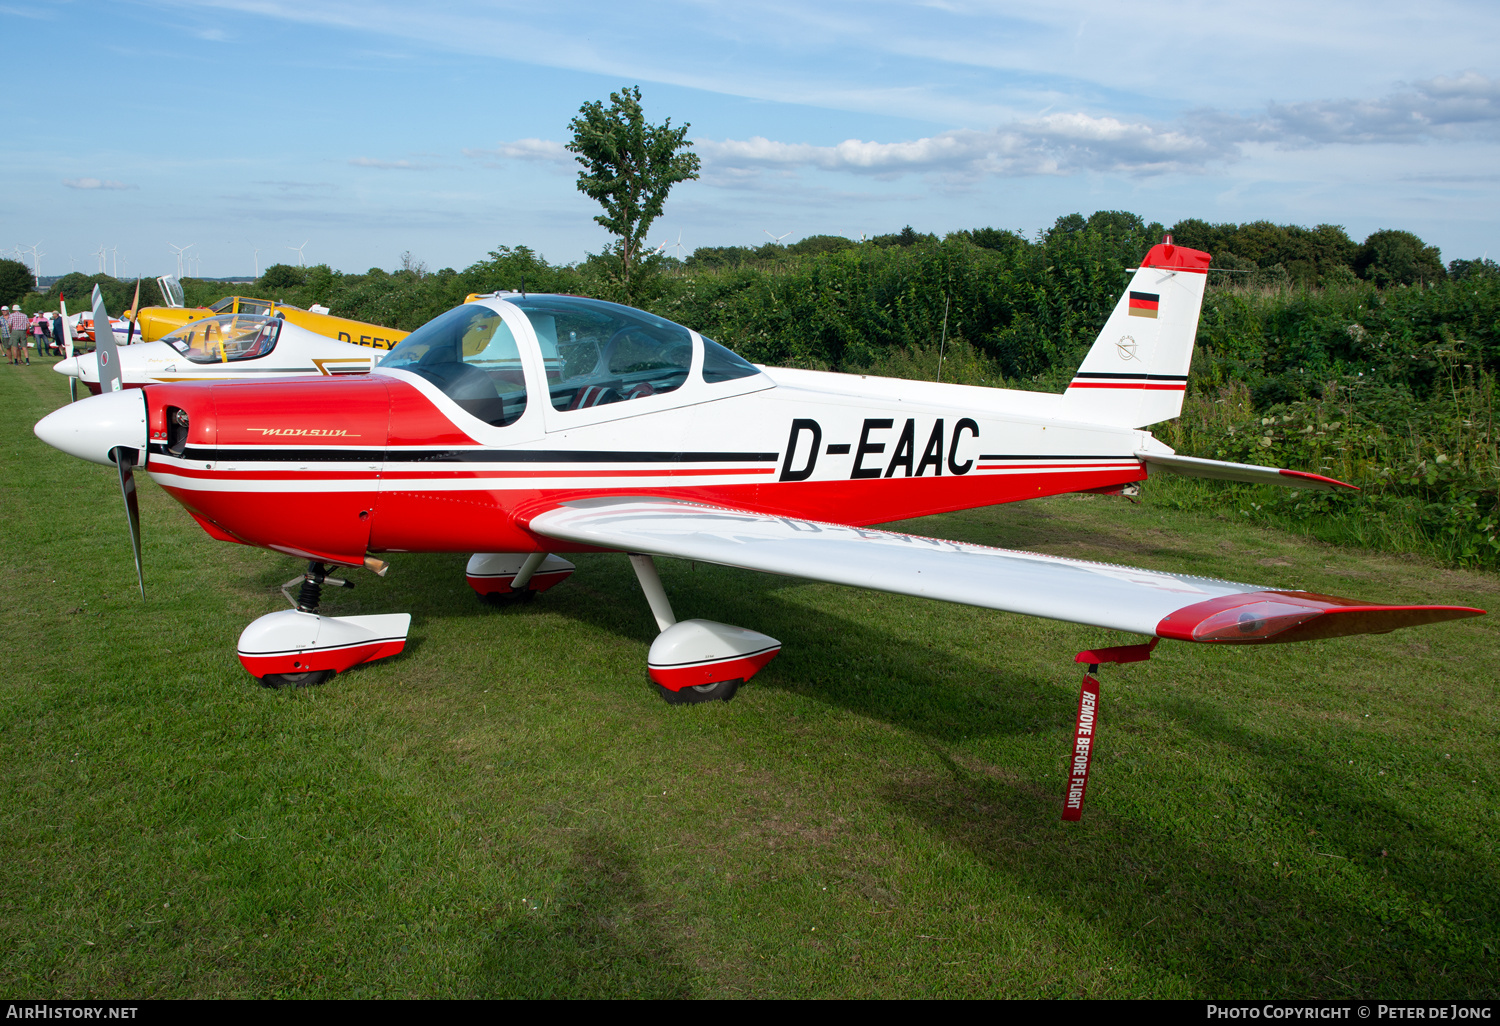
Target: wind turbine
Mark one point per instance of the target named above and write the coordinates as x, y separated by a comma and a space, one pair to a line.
115, 250
103, 256
257, 263
180, 250
776, 238
298, 250
36, 263
678, 245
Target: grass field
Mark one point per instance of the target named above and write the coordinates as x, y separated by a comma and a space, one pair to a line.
506, 809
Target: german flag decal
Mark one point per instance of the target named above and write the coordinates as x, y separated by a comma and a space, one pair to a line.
1144, 304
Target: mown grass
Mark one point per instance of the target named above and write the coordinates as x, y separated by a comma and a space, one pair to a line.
506, 810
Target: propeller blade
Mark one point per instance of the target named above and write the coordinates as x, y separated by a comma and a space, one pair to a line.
125, 463
104, 345
135, 305
72, 389
62, 303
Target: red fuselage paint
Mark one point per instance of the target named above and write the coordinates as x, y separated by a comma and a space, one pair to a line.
334, 468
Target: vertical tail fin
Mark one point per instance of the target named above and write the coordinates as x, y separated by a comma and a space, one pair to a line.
1136, 373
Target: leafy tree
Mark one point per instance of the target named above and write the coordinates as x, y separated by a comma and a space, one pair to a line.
78, 289
820, 244
1393, 257
629, 167
514, 268
15, 281
1119, 222
712, 258
907, 236
1465, 270
995, 238
1196, 233
1068, 224
281, 276
1309, 256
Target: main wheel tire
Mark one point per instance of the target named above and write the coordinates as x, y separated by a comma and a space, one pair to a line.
720, 691
507, 598
295, 680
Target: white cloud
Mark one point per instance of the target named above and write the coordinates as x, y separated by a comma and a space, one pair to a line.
95, 183
389, 165
544, 151
1058, 144
1461, 108
1464, 107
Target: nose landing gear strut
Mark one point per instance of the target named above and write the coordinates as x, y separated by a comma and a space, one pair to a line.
299, 648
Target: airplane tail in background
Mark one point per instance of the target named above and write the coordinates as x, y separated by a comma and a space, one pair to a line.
1136, 373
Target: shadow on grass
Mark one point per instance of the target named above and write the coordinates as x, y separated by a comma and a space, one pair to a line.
1336, 919
603, 934
829, 657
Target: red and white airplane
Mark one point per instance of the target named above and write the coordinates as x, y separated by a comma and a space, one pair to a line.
522, 426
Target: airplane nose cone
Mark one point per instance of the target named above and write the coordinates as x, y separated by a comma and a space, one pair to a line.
90, 428
67, 368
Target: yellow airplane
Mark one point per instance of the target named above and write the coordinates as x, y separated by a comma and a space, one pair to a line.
155, 322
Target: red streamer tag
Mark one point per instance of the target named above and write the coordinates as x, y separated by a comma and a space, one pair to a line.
1083, 748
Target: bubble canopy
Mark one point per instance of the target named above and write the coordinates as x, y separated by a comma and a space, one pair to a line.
594, 353
226, 339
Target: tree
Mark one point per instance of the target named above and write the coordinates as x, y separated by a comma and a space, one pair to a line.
1068, 224
814, 244
282, 276
629, 167
15, 281
1393, 257
1469, 270
995, 238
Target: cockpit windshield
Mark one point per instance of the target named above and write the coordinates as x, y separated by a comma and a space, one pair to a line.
597, 352
469, 353
227, 338
171, 290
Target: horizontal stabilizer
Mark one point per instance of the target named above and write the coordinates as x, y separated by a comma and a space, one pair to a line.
1122, 598
1246, 473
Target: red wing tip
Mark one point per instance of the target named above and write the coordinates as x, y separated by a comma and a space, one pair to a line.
1319, 477
1282, 616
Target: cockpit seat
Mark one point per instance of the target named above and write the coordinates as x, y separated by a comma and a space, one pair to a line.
469, 386
593, 395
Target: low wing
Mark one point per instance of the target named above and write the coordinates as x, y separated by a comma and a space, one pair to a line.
1099, 594
1246, 473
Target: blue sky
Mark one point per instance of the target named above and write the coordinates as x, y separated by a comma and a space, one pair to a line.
368, 129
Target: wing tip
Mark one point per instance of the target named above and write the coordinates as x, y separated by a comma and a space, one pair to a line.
1305, 476
1276, 617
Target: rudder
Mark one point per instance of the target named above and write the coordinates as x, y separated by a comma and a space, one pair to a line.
1136, 372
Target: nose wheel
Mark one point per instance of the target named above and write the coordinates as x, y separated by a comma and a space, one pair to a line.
296, 680
298, 648
694, 694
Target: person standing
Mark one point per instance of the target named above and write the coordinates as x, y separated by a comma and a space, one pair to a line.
18, 326
5, 330
34, 331
57, 333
